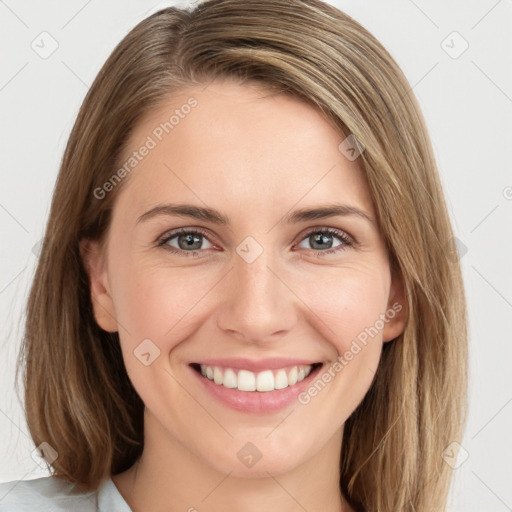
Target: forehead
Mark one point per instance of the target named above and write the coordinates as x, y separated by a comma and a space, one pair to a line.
243, 148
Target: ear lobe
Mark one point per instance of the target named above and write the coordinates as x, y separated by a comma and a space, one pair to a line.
102, 303
396, 312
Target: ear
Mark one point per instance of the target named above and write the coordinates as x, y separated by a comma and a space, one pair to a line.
396, 312
102, 303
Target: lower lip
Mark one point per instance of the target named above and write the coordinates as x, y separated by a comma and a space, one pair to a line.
256, 401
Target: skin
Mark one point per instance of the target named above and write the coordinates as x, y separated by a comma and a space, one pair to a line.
254, 156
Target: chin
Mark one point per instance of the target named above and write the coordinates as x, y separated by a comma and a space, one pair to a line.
258, 459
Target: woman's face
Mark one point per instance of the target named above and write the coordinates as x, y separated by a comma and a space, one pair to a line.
255, 295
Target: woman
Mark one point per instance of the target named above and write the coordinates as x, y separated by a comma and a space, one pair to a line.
190, 345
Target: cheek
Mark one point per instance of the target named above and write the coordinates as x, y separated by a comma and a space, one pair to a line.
347, 310
158, 308
158, 303
348, 303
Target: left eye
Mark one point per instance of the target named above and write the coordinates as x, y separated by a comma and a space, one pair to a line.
189, 242
323, 237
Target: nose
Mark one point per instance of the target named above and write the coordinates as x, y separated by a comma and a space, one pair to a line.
257, 306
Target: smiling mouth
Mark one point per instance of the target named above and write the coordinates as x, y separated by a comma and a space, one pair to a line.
245, 380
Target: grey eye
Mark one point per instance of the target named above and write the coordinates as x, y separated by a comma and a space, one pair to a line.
319, 241
188, 241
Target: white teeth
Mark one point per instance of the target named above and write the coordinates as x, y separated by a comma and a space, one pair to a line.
265, 381
230, 379
292, 376
281, 380
245, 380
217, 375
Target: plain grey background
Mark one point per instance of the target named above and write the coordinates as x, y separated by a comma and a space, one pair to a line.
456, 56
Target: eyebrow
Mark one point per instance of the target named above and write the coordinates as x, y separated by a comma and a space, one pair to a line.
216, 217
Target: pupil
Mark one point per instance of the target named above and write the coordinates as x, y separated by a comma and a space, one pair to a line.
189, 241
321, 238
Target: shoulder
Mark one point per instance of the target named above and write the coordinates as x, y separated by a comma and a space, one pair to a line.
45, 494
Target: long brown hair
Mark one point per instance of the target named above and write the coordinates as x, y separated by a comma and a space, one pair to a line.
78, 396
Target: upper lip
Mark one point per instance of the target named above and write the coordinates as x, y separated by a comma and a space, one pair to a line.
255, 365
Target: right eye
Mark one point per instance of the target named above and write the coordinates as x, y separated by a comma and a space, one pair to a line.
187, 241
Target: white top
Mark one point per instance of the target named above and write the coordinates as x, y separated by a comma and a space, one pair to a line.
51, 494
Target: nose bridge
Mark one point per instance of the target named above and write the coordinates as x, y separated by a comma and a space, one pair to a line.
257, 303
257, 283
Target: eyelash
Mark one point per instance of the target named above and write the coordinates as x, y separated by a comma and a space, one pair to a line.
347, 242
